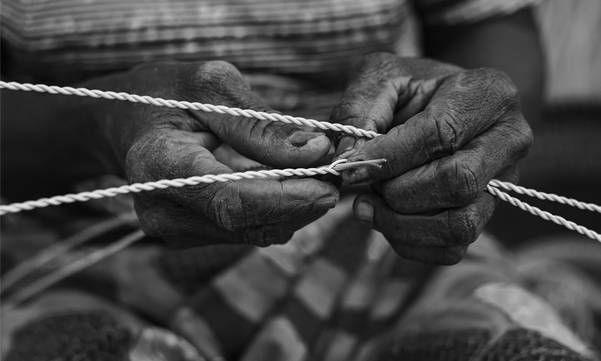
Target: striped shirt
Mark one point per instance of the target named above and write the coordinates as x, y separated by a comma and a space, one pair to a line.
62, 41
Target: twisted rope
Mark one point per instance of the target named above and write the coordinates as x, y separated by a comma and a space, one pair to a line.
546, 196
222, 109
333, 168
492, 187
544, 214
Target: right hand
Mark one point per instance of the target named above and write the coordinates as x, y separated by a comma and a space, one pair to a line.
151, 143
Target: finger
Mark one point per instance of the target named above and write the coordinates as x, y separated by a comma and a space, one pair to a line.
272, 143
385, 85
385, 91
236, 205
449, 228
466, 105
459, 179
183, 228
228, 156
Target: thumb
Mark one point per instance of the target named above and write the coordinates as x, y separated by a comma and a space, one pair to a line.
272, 143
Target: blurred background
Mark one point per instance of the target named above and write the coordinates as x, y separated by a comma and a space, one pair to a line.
566, 157
148, 285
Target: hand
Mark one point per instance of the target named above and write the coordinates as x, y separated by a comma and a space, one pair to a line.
152, 143
447, 133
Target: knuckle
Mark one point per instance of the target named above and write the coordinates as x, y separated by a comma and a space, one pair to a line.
524, 142
215, 73
462, 182
526, 138
504, 82
495, 80
520, 133
445, 122
226, 207
136, 161
219, 67
146, 158
151, 221
463, 227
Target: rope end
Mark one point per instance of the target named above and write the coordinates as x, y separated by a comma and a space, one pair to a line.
344, 164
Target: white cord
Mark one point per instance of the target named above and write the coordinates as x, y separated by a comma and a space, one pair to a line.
222, 109
544, 214
333, 168
545, 196
249, 113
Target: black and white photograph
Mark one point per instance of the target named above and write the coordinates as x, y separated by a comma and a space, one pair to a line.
300, 180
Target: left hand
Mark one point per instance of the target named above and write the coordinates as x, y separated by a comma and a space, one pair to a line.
447, 133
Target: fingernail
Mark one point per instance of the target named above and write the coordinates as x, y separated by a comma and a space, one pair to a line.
301, 138
327, 202
355, 176
365, 212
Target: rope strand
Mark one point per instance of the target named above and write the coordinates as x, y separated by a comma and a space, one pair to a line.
333, 168
492, 187
546, 196
544, 214
210, 108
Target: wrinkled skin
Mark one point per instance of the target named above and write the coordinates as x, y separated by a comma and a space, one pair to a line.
448, 132
150, 143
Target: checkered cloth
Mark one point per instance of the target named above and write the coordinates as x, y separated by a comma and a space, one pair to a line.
336, 292
329, 293
279, 303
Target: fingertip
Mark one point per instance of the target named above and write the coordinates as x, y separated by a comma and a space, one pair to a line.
298, 149
308, 148
364, 208
303, 138
366, 173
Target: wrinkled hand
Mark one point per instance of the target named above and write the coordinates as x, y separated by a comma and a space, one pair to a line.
447, 133
152, 143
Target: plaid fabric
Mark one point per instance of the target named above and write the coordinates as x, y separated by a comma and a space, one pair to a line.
321, 296
312, 301
336, 292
